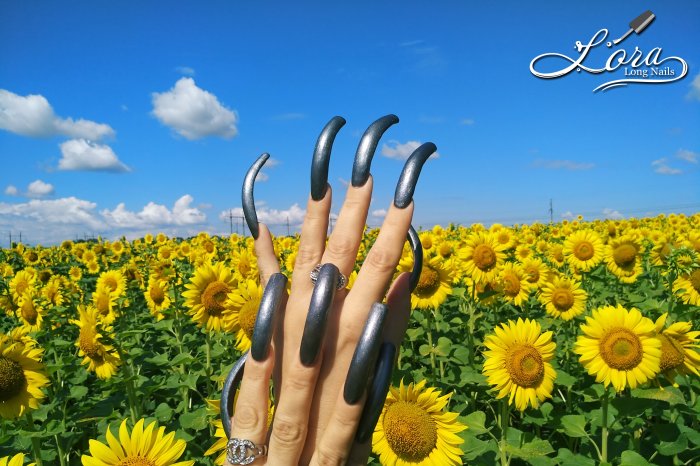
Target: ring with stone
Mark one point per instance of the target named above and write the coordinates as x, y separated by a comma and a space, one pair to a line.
242, 451
342, 279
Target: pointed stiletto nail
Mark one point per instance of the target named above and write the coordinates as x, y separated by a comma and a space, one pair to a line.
417, 248
367, 147
322, 156
409, 176
268, 315
317, 318
376, 395
365, 357
229, 393
251, 218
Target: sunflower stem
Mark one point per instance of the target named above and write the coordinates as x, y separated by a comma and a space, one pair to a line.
36, 442
61, 453
604, 431
430, 343
505, 421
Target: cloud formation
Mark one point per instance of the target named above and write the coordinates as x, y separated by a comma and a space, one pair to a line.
612, 214
11, 190
402, 151
193, 112
81, 154
661, 167
694, 93
562, 165
294, 214
33, 116
39, 188
154, 215
687, 155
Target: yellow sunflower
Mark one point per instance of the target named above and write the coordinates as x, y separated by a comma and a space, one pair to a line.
245, 264
413, 429
143, 446
22, 377
102, 359
680, 348
482, 255
434, 284
619, 347
21, 282
244, 302
52, 292
583, 250
513, 283
555, 254
624, 258
105, 303
92, 267
75, 273
206, 295
114, 281
688, 287
30, 310
157, 297
17, 460
563, 298
517, 363
536, 271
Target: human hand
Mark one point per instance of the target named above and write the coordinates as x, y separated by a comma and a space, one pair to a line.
324, 343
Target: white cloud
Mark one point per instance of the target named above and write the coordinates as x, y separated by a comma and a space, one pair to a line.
612, 214
379, 213
268, 216
193, 112
38, 188
568, 215
661, 167
44, 213
467, 121
687, 155
562, 165
402, 151
262, 176
81, 154
154, 215
11, 190
33, 116
694, 93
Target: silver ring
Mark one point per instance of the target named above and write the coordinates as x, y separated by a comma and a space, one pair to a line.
241, 451
342, 279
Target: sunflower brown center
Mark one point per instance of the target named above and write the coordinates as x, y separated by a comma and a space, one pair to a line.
621, 349
32, 256
136, 461
511, 285
12, 379
525, 366
410, 431
624, 255
247, 315
562, 299
111, 283
102, 303
533, 274
695, 279
29, 312
426, 242
503, 238
583, 250
157, 294
672, 354
484, 257
445, 250
88, 343
429, 281
214, 296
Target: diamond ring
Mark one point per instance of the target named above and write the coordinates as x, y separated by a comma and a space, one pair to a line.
342, 279
241, 451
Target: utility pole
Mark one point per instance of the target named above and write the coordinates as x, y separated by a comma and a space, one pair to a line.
287, 225
230, 218
20, 237
551, 212
10, 239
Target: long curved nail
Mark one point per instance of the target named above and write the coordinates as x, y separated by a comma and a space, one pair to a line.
229, 393
365, 356
376, 395
251, 218
367, 147
409, 176
417, 248
268, 315
317, 318
322, 156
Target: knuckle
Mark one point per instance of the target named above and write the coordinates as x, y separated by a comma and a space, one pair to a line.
306, 257
246, 418
327, 457
381, 260
298, 382
341, 247
287, 432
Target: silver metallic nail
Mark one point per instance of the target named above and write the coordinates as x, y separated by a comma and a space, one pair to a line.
409, 176
367, 147
229, 393
317, 317
417, 248
376, 395
365, 356
247, 200
268, 315
322, 156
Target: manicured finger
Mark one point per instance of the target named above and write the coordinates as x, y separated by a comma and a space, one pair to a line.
247, 200
268, 316
265, 255
313, 240
343, 244
228, 393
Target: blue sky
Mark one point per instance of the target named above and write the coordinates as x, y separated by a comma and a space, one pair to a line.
130, 117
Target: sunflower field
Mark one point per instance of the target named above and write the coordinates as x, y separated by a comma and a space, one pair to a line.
575, 343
